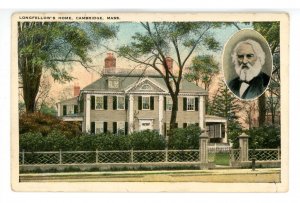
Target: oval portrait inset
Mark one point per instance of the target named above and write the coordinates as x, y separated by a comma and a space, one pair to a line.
247, 64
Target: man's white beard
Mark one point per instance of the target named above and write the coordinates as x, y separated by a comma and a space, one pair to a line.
247, 74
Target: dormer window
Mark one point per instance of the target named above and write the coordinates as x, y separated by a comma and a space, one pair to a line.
113, 83
146, 87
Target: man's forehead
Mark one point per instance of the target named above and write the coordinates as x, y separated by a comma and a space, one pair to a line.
245, 48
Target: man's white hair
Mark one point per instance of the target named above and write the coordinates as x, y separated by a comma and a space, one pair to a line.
259, 52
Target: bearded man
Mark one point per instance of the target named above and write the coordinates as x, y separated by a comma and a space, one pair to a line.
249, 58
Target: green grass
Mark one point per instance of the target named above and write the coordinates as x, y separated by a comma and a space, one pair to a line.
222, 159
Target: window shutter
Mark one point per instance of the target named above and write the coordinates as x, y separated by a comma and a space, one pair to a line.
196, 104
114, 127
184, 125
105, 102
126, 102
92, 127
165, 103
105, 127
184, 103
93, 102
140, 102
64, 110
126, 128
151, 103
114, 102
75, 109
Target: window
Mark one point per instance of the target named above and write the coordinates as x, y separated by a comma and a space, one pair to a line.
169, 104
121, 128
113, 82
190, 104
99, 103
99, 127
146, 103
70, 109
121, 102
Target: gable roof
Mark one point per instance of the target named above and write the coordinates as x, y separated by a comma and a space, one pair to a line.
126, 82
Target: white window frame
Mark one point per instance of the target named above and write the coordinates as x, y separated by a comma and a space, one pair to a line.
99, 96
118, 108
119, 125
188, 99
100, 125
144, 97
170, 104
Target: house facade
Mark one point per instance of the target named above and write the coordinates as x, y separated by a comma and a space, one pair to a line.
123, 101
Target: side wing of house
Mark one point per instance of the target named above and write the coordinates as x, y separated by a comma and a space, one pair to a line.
68, 110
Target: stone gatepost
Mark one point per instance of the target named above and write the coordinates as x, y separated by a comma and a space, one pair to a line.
203, 148
244, 146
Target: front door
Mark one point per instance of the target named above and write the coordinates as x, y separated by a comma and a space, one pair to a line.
146, 125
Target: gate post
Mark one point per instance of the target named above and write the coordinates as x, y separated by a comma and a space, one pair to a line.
203, 148
244, 146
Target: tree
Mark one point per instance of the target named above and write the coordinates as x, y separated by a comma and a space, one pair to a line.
45, 46
203, 69
224, 104
160, 40
270, 30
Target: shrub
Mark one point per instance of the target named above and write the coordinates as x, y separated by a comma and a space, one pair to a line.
32, 142
264, 137
147, 140
185, 138
44, 124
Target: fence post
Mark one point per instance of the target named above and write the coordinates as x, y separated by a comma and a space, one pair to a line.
166, 153
96, 156
131, 156
60, 157
244, 138
278, 153
23, 157
203, 148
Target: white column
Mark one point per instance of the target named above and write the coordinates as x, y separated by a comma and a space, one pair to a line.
58, 109
131, 100
161, 113
202, 112
88, 113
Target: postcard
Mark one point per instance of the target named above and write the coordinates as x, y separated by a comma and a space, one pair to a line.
150, 102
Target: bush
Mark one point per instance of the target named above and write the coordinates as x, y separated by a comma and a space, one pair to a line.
147, 140
185, 138
45, 124
264, 137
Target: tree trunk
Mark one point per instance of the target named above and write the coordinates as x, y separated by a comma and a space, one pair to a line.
31, 76
174, 112
262, 110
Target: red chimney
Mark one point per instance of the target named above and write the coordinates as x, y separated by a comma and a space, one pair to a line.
169, 62
76, 90
110, 61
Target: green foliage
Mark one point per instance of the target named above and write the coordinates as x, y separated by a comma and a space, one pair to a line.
224, 104
203, 69
48, 110
45, 124
264, 137
44, 46
185, 138
234, 130
146, 140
